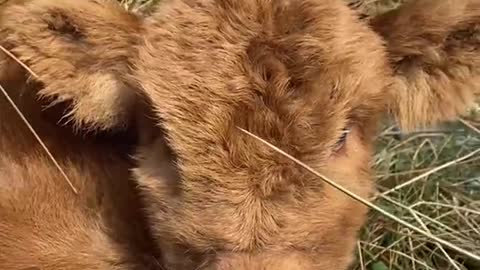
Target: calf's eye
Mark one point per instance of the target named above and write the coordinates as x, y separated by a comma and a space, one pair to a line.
342, 139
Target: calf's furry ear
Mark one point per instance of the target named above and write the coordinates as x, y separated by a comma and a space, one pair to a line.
434, 48
80, 51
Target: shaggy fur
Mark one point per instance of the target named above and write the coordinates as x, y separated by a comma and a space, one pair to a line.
296, 73
434, 47
43, 224
77, 55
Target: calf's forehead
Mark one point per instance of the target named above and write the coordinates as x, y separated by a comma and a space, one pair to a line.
292, 72
209, 51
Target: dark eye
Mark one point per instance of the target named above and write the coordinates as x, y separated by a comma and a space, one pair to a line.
343, 139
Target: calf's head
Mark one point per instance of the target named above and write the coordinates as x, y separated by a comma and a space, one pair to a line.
306, 75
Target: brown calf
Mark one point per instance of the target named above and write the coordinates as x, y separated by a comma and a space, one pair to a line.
306, 75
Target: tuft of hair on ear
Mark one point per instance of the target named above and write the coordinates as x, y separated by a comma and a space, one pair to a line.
434, 48
81, 51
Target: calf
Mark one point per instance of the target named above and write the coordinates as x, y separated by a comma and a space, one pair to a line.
306, 75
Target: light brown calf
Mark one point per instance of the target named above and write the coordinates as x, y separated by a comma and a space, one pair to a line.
306, 75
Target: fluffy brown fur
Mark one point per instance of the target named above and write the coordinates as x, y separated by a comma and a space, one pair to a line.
293, 72
283, 72
91, 59
434, 48
43, 224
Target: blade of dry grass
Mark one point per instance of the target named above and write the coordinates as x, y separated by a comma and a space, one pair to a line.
432, 171
39, 140
9, 54
30, 127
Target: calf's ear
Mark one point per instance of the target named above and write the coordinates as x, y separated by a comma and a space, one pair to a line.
434, 49
80, 51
